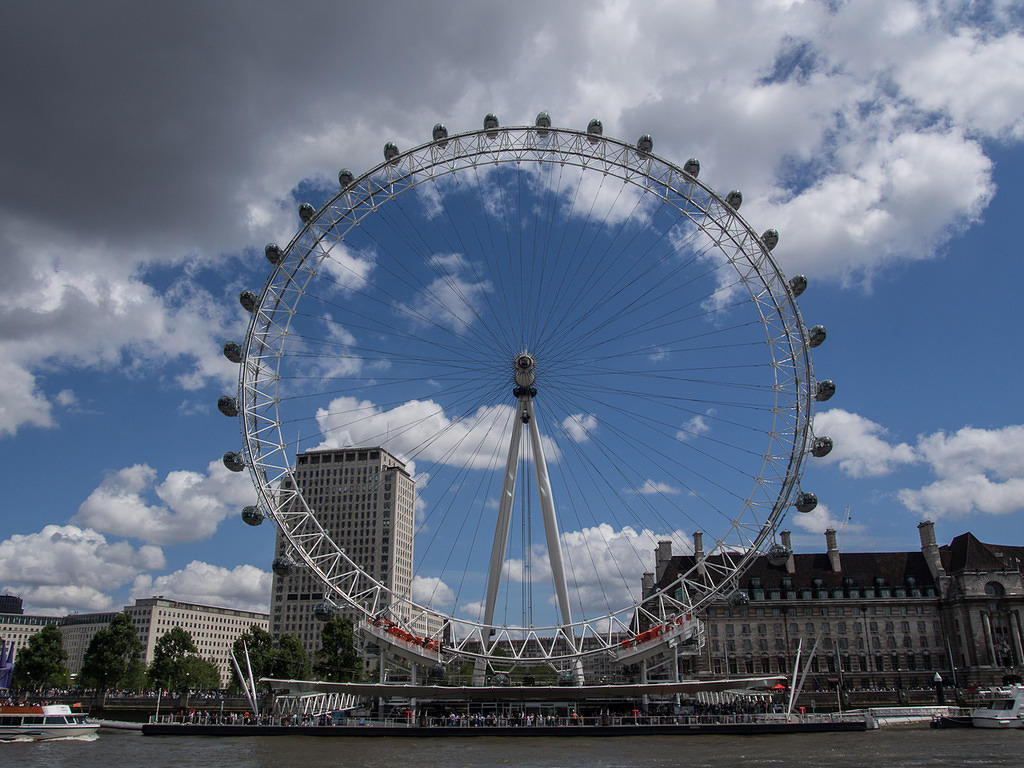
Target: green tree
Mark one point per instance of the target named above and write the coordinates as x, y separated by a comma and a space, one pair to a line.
260, 645
169, 654
291, 661
111, 659
43, 662
199, 674
337, 659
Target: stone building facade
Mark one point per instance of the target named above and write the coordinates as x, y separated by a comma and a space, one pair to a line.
866, 619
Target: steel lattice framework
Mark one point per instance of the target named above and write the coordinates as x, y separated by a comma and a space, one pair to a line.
265, 449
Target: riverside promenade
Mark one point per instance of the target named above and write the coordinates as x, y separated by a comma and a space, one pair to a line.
572, 727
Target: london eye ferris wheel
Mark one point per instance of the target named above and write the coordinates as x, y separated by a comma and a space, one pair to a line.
577, 349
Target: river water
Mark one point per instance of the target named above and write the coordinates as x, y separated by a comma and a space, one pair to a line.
885, 748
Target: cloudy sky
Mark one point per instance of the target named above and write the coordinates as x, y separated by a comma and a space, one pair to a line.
150, 150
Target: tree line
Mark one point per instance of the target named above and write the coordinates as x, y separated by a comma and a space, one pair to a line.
113, 659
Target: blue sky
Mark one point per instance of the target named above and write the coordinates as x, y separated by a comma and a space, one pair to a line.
151, 159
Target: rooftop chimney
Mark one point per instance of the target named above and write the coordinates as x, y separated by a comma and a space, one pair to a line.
662, 557
930, 550
833, 550
698, 553
787, 542
647, 583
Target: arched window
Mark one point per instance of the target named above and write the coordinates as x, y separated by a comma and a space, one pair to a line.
994, 589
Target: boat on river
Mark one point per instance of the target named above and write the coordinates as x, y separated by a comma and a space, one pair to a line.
47, 721
1005, 709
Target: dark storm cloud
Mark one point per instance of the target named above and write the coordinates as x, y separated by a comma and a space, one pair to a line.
149, 120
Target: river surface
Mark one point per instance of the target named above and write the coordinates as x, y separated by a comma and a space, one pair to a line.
885, 748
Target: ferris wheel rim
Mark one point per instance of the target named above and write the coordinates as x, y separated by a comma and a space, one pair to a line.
268, 459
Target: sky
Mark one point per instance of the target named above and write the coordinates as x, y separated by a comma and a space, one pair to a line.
150, 151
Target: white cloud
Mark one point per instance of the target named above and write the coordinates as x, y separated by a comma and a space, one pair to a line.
695, 427
56, 569
193, 503
968, 451
860, 449
579, 426
244, 587
451, 299
820, 519
603, 565
349, 271
66, 398
656, 487
22, 403
422, 430
63, 600
973, 78
432, 592
978, 470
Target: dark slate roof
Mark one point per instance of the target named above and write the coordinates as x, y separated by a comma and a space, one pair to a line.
966, 553
862, 567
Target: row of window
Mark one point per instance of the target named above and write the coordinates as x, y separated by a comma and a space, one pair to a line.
826, 628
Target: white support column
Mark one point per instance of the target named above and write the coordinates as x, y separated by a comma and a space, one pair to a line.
547, 506
551, 533
501, 533
501, 528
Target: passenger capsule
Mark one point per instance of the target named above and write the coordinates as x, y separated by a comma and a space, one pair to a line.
822, 446
594, 130
543, 122
248, 300
232, 351
283, 566
234, 461
228, 406
734, 199
805, 502
797, 284
816, 336
390, 151
440, 134
645, 143
692, 167
323, 611
345, 178
251, 515
770, 238
306, 213
491, 125
778, 554
566, 678
436, 672
500, 680
739, 597
824, 390
273, 251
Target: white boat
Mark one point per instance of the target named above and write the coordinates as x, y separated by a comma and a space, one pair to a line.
1005, 709
50, 721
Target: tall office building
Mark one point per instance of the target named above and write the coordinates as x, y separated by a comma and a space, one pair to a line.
363, 498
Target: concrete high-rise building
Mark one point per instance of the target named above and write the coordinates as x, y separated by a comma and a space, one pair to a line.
364, 499
213, 629
77, 631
